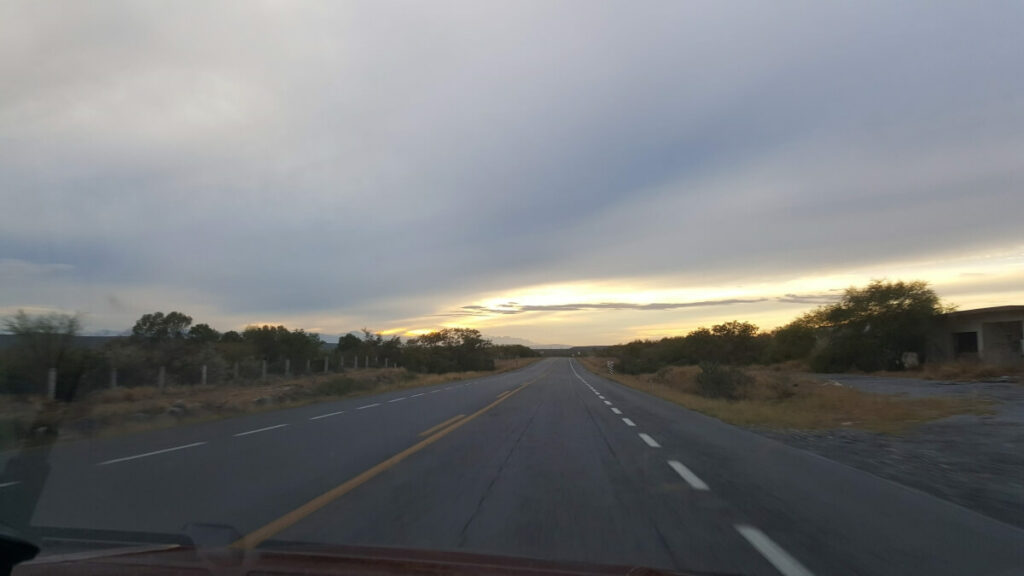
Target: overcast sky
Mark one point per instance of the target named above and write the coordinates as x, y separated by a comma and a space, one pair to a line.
562, 172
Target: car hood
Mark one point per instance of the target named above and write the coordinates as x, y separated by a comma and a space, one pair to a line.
307, 559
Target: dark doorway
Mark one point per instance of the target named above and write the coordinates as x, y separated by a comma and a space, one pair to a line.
965, 343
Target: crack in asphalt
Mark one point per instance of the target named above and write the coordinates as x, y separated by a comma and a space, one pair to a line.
604, 438
494, 479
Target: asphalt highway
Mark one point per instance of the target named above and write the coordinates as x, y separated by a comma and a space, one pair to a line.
550, 462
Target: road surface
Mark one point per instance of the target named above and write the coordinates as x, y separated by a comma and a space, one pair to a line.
549, 462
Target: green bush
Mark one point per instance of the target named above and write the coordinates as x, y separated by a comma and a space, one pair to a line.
718, 381
870, 328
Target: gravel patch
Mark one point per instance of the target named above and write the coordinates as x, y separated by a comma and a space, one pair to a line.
974, 461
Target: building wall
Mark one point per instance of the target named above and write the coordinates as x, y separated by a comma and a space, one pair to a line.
1000, 335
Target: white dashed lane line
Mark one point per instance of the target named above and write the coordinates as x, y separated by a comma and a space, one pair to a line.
417, 395
396, 400
260, 430
6, 484
368, 406
650, 441
153, 453
691, 478
772, 552
328, 415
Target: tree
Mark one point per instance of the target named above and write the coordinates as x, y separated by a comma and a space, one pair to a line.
736, 342
371, 345
157, 327
274, 343
448, 350
349, 343
202, 333
871, 327
392, 349
794, 341
47, 338
46, 341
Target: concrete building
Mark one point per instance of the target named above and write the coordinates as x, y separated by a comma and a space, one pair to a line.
991, 335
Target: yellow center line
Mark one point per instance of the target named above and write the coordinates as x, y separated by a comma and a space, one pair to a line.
254, 539
504, 393
433, 429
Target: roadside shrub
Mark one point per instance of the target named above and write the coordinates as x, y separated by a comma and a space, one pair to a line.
718, 381
781, 387
341, 386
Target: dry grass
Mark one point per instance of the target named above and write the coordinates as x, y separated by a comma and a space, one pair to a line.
129, 410
780, 398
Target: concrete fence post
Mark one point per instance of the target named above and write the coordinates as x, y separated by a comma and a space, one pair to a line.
366, 362
263, 373
113, 377
325, 364
385, 362
308, 364
203, 379
161, 377
51, 383
287, 367
375, 364
355, 361
234, 372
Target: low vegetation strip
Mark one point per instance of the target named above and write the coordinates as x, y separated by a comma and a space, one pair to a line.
781, 398
128, 410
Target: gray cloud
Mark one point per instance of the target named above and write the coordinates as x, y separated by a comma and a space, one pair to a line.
808, 298
512, 308
377, 159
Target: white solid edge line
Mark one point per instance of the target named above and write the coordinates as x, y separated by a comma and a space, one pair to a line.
155, 452
650, 441
691, 478
628, 422
573, 368
783, 562
417, 395
434, 391
616, 411
368, 406
260, 430
327, 415
396, 400
6, 484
